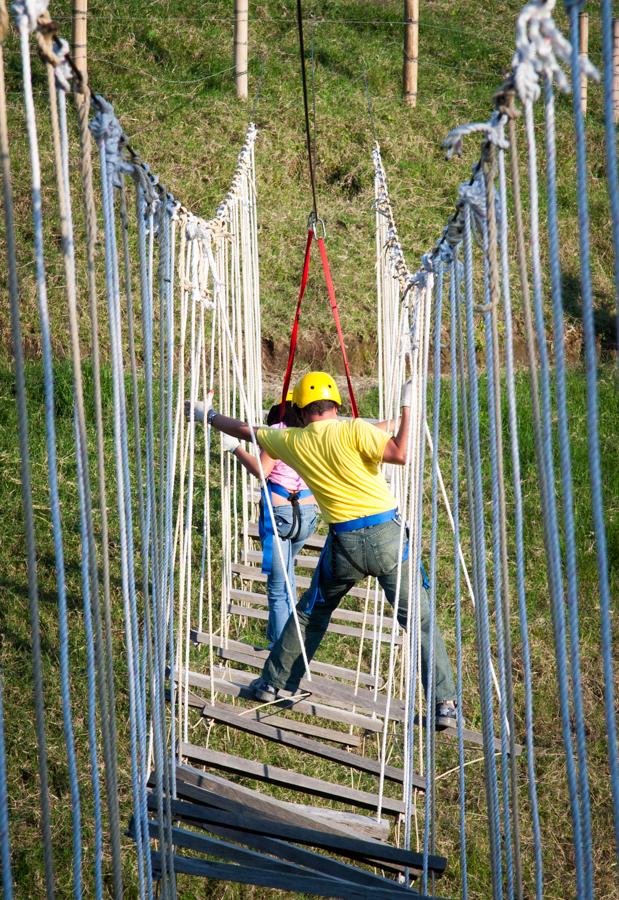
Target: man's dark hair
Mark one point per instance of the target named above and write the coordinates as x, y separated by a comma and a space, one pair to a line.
318, 407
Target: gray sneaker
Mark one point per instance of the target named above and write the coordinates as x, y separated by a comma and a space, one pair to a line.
262, 690
446, 715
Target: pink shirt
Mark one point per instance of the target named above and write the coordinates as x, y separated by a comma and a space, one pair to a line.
285, 476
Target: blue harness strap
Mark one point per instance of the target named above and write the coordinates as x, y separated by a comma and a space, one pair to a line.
265, 532
284, 492
363, 522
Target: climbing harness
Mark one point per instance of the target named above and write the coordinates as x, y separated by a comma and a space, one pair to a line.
265, 527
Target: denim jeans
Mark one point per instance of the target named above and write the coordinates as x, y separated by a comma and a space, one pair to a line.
348, 558
279, 607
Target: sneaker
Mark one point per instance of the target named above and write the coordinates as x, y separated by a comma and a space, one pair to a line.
262, 690
446, 714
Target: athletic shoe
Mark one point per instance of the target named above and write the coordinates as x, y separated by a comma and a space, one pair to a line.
262, 690
446, 715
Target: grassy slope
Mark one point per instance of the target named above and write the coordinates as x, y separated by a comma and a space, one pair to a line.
158, 63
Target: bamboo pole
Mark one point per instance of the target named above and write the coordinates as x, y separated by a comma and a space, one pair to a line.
241, 28
79, 37
616, 68
583, 51
411, 51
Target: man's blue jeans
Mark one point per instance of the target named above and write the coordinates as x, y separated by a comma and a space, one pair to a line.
347, 559
279, 606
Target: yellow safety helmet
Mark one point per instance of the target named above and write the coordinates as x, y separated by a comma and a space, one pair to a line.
289, 396
315, 386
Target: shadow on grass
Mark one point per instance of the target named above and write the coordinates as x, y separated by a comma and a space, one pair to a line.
604, 316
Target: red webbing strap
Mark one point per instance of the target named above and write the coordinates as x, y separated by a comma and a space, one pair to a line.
295, 327
336, 316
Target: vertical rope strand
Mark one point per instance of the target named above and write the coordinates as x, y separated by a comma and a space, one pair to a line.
593, 438
26, 491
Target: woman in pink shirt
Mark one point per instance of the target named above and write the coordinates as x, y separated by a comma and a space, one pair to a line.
295, 514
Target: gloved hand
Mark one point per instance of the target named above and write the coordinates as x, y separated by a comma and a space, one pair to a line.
228, 443
200, 409
407, 393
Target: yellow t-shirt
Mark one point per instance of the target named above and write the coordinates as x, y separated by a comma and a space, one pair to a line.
339, 461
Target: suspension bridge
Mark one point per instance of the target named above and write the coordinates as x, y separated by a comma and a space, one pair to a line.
335, 789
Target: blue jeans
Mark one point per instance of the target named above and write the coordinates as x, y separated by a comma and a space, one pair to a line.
347, 559
279, 605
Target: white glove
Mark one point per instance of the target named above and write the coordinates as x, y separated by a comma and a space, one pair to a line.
228, 443
200, 409
407, 393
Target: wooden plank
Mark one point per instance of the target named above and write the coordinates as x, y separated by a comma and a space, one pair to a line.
261, 653
293, 725
191, 840
210, 789
302, 561
359, 824
344, 615
306, 745
212, 821
253, 573
204, 787
448, 730
320, 687
334, 701
239, 688
251, 613
307, 884
249, 768
333, 691
314, 542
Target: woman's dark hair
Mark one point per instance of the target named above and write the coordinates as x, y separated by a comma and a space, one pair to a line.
291, 418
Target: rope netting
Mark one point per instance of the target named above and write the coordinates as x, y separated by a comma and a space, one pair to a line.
169, 571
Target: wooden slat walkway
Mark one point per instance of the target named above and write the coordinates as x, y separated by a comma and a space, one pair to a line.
286, 778
215, 791
236, 685
260, 654
236, 719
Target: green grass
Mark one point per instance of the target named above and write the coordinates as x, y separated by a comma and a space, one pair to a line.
165, 67
158, 63
15, 660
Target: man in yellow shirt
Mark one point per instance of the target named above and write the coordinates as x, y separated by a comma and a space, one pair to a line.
340, 462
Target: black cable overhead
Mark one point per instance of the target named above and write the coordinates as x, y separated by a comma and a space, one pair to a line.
306, 107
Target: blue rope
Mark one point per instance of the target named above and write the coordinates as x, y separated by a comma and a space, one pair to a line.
519, 531
52, 469
428, 827
158, 713
455, 476
497, 572
547, 482
481, 608
5, 841
611, 136
118, 385
25, 472
90, 667
566, 484
595, 472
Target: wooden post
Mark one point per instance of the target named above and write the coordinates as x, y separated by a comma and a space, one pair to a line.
241, 28
79, 37
411, 51
583, 50
616, 68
